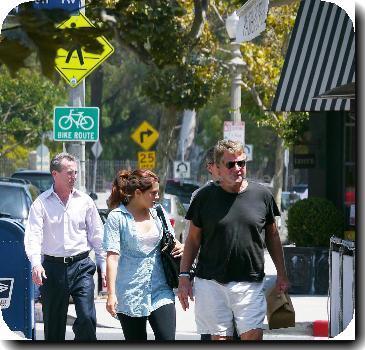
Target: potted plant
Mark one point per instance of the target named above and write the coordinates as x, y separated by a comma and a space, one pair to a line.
311, 222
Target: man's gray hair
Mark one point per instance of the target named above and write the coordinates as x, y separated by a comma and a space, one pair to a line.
58, 158
229, 146
209, 156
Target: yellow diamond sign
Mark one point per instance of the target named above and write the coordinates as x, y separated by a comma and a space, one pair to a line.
76, 64
145, 135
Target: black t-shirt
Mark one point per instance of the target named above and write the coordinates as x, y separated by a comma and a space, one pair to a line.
232, 248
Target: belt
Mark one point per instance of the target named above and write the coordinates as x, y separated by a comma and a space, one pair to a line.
66, 259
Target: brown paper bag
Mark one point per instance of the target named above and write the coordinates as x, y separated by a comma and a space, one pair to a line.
280, 310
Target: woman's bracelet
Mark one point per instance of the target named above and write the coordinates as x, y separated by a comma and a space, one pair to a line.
184, 274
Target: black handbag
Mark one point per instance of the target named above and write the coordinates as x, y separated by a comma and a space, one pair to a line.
170, 264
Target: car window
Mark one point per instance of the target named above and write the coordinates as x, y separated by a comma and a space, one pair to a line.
166, 203
29, 201
183, 191
42, 181
299, 188
13, 201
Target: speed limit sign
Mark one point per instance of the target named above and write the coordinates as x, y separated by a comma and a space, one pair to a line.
147, 160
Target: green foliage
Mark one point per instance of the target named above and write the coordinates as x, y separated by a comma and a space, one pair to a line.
26, 109
37, 31
188, 86
312, 221
265, 58
184, 49
124, 104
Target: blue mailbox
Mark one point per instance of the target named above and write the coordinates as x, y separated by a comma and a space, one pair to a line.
16, 286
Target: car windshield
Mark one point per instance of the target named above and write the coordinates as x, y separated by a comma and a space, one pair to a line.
299, 188
42, 181
166, 203
183, 191
12, 202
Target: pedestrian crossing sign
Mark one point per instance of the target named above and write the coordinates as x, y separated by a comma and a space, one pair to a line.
76, 64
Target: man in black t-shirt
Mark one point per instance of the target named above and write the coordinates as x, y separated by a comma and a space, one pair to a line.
226, 224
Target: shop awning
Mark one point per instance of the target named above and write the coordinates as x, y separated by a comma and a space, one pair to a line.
320, 57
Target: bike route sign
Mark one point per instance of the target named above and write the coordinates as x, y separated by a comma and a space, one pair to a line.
76, 124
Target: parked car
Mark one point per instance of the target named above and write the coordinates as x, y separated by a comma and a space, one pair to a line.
17, 195
181, 190
176, 212
41, 179
103, 213
288, 199
302, 190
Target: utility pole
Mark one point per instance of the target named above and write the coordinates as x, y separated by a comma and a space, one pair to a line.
77, 99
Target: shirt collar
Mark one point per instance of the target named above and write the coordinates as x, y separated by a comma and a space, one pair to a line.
50, 191
124, 210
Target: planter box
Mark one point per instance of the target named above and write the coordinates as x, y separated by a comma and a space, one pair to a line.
307, 269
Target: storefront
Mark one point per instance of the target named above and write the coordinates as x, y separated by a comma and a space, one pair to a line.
319, 77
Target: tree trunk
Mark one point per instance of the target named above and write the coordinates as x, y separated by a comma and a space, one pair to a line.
279, 167
166, 148
187, 133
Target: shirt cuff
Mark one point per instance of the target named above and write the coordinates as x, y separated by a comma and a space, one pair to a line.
36, 260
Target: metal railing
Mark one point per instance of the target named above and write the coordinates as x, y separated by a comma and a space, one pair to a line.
105, 173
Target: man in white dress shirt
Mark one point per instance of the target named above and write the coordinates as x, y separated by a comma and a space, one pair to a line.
63, 226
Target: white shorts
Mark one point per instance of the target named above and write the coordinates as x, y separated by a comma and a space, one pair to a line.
217, 305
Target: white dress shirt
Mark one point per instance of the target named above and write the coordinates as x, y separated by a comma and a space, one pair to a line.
60, 230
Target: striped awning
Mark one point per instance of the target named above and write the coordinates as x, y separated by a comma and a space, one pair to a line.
320, 57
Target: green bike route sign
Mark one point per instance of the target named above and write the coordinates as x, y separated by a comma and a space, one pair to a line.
76, 124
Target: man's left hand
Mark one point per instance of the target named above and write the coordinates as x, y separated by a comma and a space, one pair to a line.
282, 284
177, 252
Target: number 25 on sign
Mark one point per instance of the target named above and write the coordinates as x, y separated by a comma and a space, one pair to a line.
147, 160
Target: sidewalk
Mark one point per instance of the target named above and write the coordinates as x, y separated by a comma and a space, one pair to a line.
307, 310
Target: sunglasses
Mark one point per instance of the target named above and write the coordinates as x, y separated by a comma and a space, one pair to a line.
240, 163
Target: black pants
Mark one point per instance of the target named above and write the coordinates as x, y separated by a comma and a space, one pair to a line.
162, 321
63, 280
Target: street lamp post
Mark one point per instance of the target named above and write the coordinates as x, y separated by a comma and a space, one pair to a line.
237, 64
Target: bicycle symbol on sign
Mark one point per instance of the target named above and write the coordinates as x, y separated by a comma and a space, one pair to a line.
82, 121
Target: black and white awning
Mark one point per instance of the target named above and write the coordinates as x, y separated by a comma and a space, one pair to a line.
320, 57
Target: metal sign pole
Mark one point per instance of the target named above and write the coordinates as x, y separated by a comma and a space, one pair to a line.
94, 174
77, 99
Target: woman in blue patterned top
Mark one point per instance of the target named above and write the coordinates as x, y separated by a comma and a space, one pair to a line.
137, 287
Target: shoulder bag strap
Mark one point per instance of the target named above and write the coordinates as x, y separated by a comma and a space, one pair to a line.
161, 216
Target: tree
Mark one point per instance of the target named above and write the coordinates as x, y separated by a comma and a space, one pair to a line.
171, 38
264, 58
182, 44
26, 109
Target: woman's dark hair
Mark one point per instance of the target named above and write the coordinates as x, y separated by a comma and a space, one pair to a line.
127, 182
